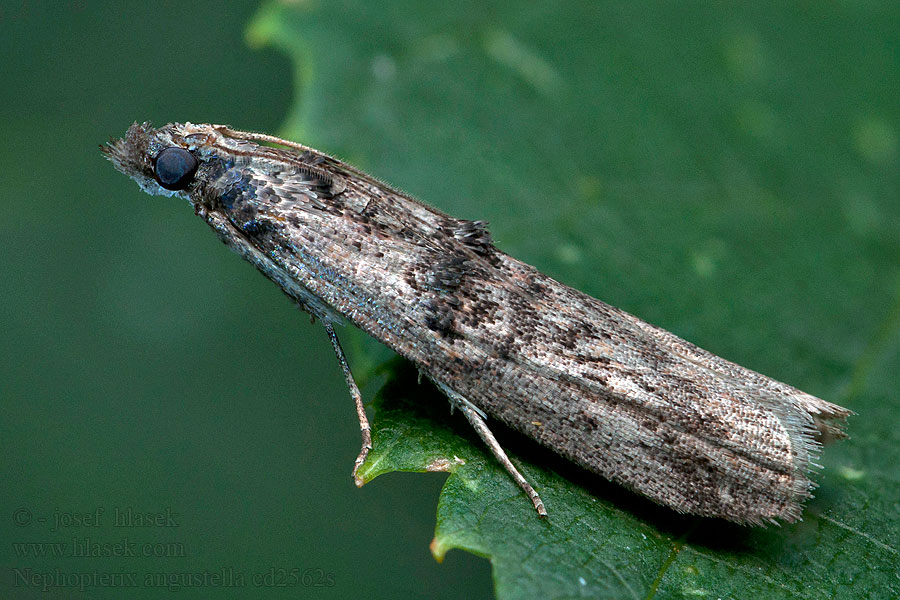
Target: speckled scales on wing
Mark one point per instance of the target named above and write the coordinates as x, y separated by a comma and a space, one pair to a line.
567, 376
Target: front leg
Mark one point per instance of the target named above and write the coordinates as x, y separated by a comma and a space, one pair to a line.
364, 427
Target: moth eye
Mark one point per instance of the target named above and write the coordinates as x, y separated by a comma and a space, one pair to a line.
174, 168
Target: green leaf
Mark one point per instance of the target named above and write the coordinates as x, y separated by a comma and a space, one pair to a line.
728, 173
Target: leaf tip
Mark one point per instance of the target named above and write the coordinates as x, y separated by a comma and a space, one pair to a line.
438, 549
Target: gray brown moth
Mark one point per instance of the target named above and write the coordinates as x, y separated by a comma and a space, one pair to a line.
618, 396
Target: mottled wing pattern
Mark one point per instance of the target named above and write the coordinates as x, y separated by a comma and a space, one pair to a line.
643, 407
623, 398
618, 396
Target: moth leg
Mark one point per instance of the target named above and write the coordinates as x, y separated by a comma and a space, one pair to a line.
357, 399
476, 418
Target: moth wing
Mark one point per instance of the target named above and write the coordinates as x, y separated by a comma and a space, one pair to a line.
639, 405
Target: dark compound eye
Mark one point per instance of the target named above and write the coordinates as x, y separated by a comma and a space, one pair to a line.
174, 168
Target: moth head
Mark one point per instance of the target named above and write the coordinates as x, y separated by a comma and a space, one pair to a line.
165, 161
220, 169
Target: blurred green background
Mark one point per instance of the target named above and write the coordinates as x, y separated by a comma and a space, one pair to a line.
729, 174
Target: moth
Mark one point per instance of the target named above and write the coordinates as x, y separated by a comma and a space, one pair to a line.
618, 396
